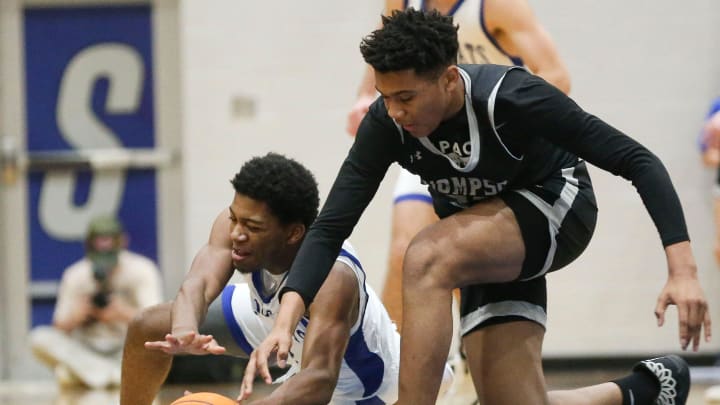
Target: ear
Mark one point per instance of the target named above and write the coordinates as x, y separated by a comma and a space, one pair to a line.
296, 233
450, 78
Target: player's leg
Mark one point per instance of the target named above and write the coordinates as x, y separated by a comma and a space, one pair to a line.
503, 324
523, 235
144, 371
716, 212
504, 327
412, 211
408, 218
481, 244
663, 380
456, 356
500, 355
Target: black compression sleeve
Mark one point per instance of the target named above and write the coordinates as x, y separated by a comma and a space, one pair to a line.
542, 110
354, 187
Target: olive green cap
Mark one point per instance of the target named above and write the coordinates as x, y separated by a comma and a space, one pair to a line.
105, 225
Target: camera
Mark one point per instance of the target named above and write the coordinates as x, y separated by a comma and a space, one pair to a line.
102, 264
101, 299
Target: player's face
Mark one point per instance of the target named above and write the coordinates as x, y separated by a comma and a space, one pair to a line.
259, 240
418, 103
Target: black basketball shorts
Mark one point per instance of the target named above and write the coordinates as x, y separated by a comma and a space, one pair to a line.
557, 219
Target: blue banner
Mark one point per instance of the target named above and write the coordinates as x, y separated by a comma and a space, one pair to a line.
89, 84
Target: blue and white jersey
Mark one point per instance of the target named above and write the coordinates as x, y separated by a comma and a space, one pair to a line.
476, 44
369, 371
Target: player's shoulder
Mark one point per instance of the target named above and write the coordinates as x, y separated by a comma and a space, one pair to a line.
348, 252
486, 77
485, 70
349, 257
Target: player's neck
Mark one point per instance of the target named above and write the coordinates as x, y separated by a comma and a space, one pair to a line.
282, 261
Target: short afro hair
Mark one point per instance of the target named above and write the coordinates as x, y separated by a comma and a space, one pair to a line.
424, 41
286, 186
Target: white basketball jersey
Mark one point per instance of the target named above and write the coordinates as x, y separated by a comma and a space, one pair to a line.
371, 363
476, 45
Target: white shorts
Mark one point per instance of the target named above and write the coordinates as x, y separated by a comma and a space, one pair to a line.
409, 187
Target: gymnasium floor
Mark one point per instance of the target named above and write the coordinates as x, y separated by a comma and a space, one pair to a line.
47, 393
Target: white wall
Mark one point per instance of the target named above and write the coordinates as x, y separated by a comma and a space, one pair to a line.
301, 67
648, 67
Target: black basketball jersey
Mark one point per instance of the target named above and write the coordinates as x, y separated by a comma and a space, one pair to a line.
504, 159
514, 132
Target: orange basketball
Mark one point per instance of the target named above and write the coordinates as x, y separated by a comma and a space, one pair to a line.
204, 398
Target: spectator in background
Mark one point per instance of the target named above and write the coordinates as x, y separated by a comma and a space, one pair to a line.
710, 136
709, 142
710, 149
98, 296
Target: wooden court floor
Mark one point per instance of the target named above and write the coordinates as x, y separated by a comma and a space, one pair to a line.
46, 392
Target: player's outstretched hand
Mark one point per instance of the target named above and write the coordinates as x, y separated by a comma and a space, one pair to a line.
693, 314
278, 342
683, 290
188, 343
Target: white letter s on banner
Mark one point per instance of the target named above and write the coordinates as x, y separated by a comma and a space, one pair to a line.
123, 67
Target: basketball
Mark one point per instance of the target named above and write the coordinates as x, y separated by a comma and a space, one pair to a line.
204, 398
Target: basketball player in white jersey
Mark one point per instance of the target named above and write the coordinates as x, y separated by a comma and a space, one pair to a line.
345, 349
503, 32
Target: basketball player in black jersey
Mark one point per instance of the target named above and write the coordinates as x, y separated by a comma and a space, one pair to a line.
503, 153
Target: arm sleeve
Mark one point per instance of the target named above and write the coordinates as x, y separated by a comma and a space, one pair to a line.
536, 107
354, 188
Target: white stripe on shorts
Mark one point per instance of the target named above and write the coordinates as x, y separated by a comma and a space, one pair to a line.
554, 213
522, 309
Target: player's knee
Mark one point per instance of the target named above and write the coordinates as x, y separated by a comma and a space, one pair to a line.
426, 266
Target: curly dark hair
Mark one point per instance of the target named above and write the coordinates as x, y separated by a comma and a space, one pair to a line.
286, 186
425, 41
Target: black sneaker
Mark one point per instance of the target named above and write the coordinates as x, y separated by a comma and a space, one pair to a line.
673, 375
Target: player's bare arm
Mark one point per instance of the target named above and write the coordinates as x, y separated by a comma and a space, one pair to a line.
514, 25
332, 314
210, 271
